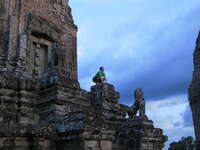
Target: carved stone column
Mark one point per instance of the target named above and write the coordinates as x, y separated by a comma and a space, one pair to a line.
13, 30
13, 41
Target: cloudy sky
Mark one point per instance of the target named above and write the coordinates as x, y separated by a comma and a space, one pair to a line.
142, 43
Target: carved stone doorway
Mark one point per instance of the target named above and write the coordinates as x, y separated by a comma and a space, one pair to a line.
41, 59
40, 56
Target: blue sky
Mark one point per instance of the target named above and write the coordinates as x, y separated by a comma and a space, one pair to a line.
147, 44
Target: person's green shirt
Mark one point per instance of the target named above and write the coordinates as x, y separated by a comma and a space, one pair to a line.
100, 74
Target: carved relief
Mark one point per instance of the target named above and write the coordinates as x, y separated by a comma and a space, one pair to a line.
71, 62
40, 56
55, 48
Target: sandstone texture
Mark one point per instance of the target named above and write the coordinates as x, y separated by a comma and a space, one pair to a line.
194, 93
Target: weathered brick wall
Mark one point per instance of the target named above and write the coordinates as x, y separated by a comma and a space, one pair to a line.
15, 17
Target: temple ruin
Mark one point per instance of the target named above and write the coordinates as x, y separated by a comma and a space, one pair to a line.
194, 93
42, 106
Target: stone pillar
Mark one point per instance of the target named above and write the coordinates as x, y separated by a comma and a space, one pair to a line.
13, 40
13, 29
194, 92
23, 41
105, 101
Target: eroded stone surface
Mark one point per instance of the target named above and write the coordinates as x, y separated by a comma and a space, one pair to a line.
194, 93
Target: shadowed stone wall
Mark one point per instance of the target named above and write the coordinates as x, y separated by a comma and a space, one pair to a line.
194, 93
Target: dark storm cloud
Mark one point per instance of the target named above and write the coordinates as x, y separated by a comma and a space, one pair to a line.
154, 53
173, 72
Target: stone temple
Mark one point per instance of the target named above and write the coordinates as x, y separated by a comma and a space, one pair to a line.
42, 106
194, 93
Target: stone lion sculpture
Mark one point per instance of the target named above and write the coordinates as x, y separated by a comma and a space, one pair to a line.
139, 105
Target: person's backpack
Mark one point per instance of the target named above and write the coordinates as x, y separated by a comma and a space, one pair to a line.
94, 79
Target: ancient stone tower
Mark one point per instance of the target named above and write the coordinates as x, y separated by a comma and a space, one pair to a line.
35, 34
42, 106
194, 93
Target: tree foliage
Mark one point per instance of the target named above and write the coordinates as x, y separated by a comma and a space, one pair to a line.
186, 143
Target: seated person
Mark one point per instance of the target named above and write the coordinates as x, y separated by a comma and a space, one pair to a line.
100, 77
